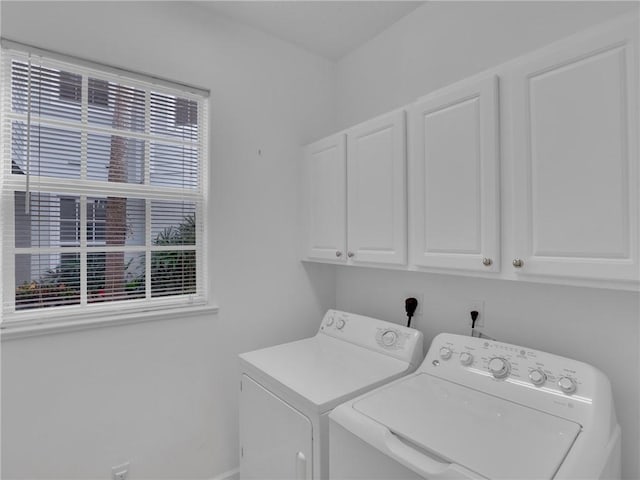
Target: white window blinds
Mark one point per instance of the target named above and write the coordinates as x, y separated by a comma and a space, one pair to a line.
103, 189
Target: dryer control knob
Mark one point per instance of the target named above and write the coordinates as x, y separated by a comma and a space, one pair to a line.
329, 321
445, 353
567, 385
499, 367
466, 359
537, 377
389, 338
340, 324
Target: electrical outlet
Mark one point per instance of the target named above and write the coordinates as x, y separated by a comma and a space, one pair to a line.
120, 472
478, 306
417, 296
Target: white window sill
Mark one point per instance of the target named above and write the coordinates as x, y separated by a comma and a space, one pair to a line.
12, 331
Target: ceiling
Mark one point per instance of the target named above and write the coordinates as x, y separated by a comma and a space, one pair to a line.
330, 29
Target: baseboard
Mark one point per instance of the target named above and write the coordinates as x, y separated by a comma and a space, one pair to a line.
230, 475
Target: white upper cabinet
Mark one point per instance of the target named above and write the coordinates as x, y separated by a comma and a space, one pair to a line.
325, 198
570, 186
376, 191
575, 158
454, 178
355, 194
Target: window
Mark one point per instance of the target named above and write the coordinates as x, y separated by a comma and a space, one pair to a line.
103, 188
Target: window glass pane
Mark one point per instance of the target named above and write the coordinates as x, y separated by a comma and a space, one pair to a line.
174, 116
115, 105
96, 221
47, 280
54, 93
70, 87
186, 113
55, 152
174, 166
173, 223
113, 276
115, 158
173, 273
53, 220
123, 222
98, 93
69, 221
120, 221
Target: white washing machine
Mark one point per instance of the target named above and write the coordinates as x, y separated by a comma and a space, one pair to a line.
287, 391
484, 410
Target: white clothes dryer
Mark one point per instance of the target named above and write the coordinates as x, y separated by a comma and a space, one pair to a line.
480, 409
287, 391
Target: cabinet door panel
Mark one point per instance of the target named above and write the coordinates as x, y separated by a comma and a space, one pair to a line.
275, 438
574, 162
376, 202
325, 185
454, 177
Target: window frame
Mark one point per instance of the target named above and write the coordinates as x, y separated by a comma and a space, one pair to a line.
11, 181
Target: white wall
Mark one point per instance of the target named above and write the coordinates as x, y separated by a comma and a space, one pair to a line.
164, 394
436, 45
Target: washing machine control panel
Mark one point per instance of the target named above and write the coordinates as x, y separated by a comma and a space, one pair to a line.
390, 338
504, 367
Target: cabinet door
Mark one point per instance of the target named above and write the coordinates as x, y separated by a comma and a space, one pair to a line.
575, 157
376, 191
275, 438
325, 194
454, 178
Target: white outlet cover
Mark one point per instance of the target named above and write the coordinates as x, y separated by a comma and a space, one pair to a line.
477, 305
419, 297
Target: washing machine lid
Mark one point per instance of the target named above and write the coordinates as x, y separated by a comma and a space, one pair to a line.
490, 436
322, 370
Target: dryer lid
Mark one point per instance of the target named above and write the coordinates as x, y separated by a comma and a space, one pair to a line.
324, 370
493, 437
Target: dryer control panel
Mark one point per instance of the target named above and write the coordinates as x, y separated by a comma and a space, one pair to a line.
392, 339
527, 376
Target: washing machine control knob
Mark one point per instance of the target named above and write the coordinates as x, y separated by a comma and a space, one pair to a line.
329, 321
340, 324
445, 353
567, 385
389, 338
499, 367
537, 377
466, 359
